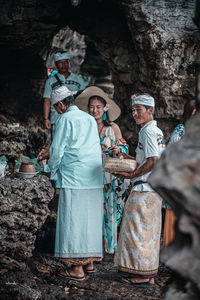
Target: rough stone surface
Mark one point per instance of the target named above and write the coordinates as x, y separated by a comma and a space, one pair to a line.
197, 14
16, 138
176, 178
96, 69
71, 41
149, 46
164, 31
41, 281
24, 208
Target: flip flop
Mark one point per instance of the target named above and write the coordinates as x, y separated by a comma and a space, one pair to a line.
128, 281
71, 277
88, 271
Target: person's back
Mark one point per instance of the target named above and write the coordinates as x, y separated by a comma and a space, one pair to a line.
76, 165
81, 162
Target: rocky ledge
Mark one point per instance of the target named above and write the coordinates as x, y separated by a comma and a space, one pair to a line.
23, 210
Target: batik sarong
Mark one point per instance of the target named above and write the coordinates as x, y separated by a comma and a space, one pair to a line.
139, 240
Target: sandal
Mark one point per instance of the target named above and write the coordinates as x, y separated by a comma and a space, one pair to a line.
88, 271
68, 276
128, 281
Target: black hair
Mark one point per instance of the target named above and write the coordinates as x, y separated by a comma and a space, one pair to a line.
147, 107
68, 100
106, 122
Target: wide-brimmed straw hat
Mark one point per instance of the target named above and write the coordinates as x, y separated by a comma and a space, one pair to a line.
82, 101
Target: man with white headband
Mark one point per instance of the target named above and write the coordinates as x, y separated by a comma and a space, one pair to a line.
72, 81
76, 165
137, 256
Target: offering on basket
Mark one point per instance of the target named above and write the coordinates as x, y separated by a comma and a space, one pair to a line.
121, 164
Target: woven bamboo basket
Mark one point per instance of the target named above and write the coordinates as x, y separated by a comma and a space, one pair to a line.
112, 164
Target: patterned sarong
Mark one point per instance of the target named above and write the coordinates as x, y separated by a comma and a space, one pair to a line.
139, 240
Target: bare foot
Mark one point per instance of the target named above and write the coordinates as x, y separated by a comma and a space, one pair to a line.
69, 275
139, 280
89, 267
152, 281
76, 271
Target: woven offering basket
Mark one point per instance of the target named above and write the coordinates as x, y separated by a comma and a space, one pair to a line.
112, 164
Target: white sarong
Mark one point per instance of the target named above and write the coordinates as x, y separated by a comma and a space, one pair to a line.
79, 223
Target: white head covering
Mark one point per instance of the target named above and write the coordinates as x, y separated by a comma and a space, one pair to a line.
60, 94
144, 99
60, 56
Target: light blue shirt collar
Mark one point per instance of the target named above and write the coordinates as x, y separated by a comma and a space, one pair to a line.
74, 107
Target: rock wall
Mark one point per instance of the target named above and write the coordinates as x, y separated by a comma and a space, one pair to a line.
166, 44
16, 138
71, 41
176, 178
149, 46
24, 209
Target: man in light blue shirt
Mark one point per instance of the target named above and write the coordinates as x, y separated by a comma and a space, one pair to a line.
72, 81
76, 165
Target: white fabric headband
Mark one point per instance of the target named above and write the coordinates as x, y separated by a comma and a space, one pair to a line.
60, 56
61, 93
144, 99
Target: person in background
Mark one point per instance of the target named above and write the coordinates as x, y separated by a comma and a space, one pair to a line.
75, 163
137, 255
179, 131
105, 111
72, 81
